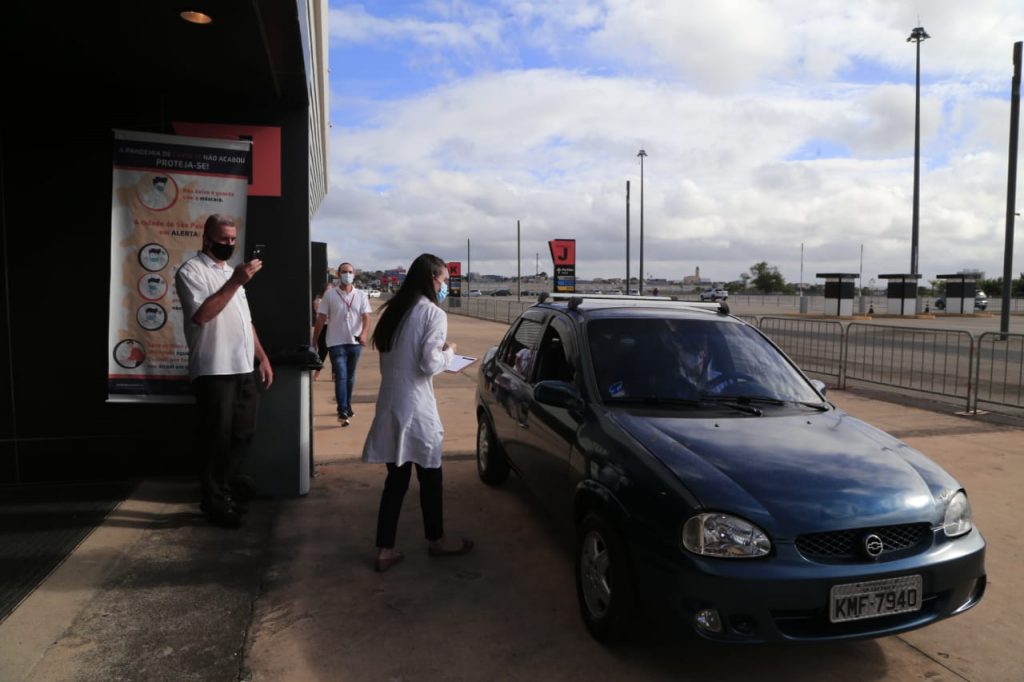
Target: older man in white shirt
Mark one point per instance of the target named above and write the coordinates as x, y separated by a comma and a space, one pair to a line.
222, 345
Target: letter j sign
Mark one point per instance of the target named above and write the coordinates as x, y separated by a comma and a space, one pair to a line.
563, 251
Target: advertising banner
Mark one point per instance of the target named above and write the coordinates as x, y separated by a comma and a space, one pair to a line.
165, 187
455, 278
563, 255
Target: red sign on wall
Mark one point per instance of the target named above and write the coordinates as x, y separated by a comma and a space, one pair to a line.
266, 150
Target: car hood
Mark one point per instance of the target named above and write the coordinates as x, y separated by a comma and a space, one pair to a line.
796, 472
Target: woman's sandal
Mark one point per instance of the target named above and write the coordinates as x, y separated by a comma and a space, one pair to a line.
463, 548
384, 563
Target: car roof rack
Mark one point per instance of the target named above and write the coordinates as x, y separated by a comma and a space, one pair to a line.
575, 300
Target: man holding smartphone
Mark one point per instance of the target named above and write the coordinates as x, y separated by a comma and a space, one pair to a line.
346, 312
222, 344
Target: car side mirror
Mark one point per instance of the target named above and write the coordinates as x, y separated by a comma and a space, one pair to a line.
820, 387
558, 394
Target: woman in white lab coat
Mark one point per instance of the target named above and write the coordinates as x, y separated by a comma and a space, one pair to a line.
412, 338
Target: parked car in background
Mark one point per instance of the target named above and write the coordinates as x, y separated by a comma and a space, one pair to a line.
373, 293
501, 292
713, 294
980, 301
475, 292
706, 475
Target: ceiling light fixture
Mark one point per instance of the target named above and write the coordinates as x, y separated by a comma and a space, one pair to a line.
196, 17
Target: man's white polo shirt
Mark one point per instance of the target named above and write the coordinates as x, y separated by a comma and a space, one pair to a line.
224, 345
344, 311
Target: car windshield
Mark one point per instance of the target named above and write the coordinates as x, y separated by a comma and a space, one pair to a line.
668, 360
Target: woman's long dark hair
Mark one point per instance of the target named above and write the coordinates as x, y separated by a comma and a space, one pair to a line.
419, 281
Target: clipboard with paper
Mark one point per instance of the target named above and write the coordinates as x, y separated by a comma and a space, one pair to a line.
460, 362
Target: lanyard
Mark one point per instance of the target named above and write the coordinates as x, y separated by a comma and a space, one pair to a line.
348, 304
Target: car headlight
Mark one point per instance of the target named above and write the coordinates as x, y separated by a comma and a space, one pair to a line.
958, 516
725, 536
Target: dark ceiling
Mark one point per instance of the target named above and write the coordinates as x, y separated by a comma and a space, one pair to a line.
124, 55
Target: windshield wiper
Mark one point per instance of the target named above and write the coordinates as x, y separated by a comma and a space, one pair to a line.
731, 403
767, 400
744, 399
656, 400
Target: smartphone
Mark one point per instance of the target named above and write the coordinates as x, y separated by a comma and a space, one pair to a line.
256, 252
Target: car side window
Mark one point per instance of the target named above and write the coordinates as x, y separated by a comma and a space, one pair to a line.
552, 354
517, 352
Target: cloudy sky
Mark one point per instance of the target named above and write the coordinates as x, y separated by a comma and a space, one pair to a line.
767, 124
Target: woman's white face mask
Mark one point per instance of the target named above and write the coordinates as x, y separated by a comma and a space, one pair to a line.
347, 278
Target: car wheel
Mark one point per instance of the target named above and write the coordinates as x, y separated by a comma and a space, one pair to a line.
491, 464
604, 582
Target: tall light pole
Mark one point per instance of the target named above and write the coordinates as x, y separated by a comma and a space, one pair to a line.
627, 237
640, 287
1011, 191
519, 263
916, 36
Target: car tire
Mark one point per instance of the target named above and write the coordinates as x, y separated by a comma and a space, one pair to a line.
604, 580
491, 464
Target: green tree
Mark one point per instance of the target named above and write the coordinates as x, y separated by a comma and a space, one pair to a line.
994, 287
767, 278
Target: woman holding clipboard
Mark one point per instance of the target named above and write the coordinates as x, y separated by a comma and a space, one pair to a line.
406, 432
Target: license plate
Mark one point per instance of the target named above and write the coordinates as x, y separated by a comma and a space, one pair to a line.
857, 601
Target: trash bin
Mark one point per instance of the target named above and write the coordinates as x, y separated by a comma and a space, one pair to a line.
280, 458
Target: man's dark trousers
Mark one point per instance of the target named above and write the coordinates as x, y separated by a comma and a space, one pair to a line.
227, 405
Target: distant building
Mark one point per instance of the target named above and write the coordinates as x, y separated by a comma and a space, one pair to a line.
695, 279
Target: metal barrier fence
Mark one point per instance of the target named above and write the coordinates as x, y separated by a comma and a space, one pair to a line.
814, 345
496, 309
936, 361
752, 320
999, 370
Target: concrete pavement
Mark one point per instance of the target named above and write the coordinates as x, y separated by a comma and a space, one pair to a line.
156, 593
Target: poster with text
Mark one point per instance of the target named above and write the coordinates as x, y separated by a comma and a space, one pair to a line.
164, 189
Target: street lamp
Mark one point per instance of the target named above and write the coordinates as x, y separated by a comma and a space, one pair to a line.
640, 288
916, 36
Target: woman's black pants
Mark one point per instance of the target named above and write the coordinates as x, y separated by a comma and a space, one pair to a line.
395, 486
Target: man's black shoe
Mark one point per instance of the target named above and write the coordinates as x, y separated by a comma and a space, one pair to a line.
226, 518
223, 512
243, 491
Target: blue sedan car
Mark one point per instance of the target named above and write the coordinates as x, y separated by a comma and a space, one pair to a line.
705, 474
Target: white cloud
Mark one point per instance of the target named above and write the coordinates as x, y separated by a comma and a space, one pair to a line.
352, 24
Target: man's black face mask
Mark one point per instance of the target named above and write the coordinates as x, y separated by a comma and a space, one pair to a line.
221, 251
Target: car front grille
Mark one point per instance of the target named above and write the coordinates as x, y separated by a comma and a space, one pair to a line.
848, 545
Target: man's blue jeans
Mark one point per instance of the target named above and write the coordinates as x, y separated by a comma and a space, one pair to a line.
343, 360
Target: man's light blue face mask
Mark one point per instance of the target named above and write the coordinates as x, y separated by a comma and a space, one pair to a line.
442, 293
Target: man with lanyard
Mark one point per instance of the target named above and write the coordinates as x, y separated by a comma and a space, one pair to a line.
346, 312
222, 343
